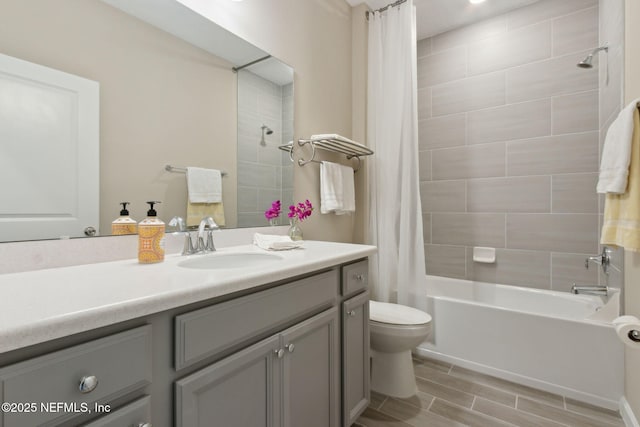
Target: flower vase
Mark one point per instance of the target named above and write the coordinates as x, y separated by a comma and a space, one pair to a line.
295, 232
273, 222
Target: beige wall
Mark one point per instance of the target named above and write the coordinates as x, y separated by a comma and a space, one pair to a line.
161, 99
632, 260
314, 37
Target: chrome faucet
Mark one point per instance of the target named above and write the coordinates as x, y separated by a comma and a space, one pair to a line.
590, 290
178, 223
206, 246
603, 260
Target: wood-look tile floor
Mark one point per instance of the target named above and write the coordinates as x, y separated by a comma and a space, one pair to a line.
450, 396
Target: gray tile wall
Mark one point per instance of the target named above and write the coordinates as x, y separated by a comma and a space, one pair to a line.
265, 173
611, 22
509, 146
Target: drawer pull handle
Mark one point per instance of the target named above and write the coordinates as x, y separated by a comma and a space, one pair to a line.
360, 277
88, 384
351, 313
145, 425
279, 353
291, 347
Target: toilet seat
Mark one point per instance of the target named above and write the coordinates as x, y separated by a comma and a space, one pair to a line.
396, 314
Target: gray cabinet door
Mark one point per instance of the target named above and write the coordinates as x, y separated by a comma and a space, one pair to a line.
311, 372
242, 390
355, 357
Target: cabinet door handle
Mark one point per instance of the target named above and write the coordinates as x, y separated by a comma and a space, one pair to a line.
279, 353
88, 384
351, 313
145, 425
291, 347
360, 277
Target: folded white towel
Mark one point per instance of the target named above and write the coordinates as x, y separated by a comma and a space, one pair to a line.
332, 136
271, 242
616, 153
204, 185
337, 189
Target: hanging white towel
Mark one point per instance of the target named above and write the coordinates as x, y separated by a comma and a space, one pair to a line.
337, 189
616, 153
204, 185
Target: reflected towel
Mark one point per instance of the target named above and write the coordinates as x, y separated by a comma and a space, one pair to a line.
622, 211
197, 211
272, 242
337, 190
616, 153
204, 185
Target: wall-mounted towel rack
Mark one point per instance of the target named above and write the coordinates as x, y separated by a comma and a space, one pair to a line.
177, 169
332, 142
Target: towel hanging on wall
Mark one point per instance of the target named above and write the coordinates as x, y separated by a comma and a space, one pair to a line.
616, 153
621, 225
337, 189
204, 187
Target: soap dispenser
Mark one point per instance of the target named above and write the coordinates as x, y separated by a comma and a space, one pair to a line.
124, 224
151, 237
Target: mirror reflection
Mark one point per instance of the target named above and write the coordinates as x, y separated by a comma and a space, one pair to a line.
265, 122
165, 97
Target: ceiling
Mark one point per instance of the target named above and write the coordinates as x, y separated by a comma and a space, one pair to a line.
437, 16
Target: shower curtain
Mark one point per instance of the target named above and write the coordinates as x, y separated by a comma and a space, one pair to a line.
397, 271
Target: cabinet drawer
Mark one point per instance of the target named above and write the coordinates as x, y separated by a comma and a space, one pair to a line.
354, 277
134, 414
210, 330
121, 363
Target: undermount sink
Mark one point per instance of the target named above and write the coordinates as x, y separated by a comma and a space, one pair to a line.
218, 261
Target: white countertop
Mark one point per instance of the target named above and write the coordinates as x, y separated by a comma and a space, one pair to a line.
42, 305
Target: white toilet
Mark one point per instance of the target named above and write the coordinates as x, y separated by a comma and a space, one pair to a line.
395, 330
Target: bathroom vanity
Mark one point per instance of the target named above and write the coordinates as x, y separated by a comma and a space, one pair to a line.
282, 343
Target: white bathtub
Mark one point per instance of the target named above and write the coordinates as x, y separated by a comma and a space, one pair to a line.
554, 341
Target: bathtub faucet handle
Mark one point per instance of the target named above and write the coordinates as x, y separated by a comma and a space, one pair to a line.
603, 260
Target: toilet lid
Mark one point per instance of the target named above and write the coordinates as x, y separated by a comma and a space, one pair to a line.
397, 314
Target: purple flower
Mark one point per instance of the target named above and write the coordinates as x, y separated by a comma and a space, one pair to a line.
273, 211
301, 211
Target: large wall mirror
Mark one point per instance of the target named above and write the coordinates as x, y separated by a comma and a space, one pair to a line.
171, 88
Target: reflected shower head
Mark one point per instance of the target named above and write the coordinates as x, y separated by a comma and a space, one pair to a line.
265, 129
587, 62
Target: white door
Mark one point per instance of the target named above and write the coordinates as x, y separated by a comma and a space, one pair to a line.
49, 152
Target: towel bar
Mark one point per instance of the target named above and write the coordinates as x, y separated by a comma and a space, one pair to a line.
177, 169
333, 143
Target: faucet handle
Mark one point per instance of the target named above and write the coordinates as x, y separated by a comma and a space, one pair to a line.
603, 260
211, 247
178, 223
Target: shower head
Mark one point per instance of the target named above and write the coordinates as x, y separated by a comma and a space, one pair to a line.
265, 129
587, 62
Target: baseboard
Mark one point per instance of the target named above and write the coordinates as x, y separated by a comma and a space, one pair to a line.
520, 379
627, 414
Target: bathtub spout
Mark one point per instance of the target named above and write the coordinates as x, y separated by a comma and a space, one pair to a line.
590, 290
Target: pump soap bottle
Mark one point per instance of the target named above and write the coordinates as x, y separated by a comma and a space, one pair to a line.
151, 237
124, 224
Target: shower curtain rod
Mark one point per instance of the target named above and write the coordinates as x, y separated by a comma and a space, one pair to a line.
382, 9
236, 69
